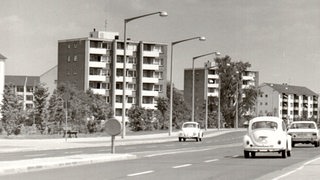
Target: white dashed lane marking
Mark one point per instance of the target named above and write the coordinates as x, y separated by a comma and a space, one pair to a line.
35, 155
181, 166
140, 173
211, 160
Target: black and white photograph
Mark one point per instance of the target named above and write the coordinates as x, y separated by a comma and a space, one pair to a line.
159, 89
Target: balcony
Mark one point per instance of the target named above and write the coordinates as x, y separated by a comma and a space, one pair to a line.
97, 64
120, 65
120, 92
120, 79
99, 91
248, 78
97, 51
213, 85
121, 52
149, 106
150, 80
150, 66
151, 53
97, 78
213, 76
213, 94
150, 93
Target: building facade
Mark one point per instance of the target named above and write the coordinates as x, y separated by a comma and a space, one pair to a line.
207, 84
97, 63
287, 102
24, 86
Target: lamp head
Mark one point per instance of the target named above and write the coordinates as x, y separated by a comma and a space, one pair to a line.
217, 53
163, 13
202, 38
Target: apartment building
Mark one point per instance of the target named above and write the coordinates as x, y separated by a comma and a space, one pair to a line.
287, 101
207, 83
97, 63
24, 86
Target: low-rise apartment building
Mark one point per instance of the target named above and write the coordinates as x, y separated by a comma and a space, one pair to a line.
287, 102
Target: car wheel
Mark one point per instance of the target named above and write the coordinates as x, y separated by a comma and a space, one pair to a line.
197, 139
200, 139
246, 154
292, 144
184, 139
179, 139
284, 153
316, 144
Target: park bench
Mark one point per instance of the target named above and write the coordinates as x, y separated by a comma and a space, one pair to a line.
70, 132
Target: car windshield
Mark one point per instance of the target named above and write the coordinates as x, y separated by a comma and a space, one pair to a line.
264, 124
302, 126
189, 125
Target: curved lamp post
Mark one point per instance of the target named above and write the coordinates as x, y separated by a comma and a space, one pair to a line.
201, 38
162, 14
193, 78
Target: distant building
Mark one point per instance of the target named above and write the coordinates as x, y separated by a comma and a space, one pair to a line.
96, 63
287, 101
2, 73
24, 86
207, 84
49, 79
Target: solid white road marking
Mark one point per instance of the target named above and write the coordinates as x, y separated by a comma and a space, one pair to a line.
141, 173
73, 152
181, 166
211, 160
235, 156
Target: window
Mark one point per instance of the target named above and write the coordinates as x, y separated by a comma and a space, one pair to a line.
68, 59
266, 104
266, 95
118, 99
20, 89
75, 45
29, 89
29, 106
69, 46
130, 100
75, 58
29, 98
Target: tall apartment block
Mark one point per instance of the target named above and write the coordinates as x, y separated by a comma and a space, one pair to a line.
96, 63
24, 86
207, 83
287, 102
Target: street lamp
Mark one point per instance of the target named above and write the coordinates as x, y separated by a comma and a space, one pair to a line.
162, 14
237, 101
201, 38
193, 77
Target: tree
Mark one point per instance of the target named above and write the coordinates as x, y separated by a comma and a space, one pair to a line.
12, 110
231, 83
140, 119
40, 94
55, 112
162, 106
180, 110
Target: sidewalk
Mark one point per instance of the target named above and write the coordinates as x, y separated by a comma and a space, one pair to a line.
18, 145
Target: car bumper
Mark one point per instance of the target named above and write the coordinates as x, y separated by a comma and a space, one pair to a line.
304, 140
264, 149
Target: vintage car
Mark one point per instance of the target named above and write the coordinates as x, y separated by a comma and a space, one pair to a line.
267, 134
305, 132
190, 130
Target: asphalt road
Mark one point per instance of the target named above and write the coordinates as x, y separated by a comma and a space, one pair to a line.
219, 157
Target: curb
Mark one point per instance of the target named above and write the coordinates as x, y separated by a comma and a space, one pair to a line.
21, 166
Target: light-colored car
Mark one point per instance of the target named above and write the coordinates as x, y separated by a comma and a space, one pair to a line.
190, 130
305, 132
267, 134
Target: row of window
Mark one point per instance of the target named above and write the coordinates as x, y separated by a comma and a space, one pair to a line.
292, 105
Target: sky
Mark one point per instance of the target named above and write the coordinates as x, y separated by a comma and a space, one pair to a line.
279, 38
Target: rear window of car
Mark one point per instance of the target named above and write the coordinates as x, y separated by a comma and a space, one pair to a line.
265, 125
189, 125
302, 126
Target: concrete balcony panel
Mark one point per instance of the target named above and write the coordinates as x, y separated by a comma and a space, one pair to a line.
150, 66
99, 91
121, 52
97, 64
151, 53
120, 79
97, 51
120, 66
213, 85
213, 76
97, 78
150, 80
248, 78
213, 94
150, 93
149, 106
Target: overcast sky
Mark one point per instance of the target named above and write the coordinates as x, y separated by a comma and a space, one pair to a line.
279, 38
